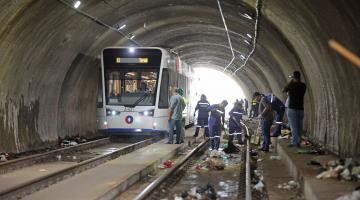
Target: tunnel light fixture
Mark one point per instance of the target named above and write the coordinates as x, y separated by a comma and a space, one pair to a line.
132, 37
246, 16
249, 35
122, 27
131, 49
258, 7
77, 4
242, 57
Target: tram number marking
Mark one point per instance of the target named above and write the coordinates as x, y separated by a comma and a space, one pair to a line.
128, 109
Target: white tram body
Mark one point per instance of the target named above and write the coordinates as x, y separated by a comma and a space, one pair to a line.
137, 84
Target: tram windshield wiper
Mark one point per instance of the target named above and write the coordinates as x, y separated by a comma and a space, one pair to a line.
147, 93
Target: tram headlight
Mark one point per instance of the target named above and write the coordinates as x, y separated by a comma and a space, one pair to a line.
110, 112
147, 113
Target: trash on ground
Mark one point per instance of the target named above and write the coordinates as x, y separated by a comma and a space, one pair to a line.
43, 170
231, 148
353, 196
347, 169
216, 154
215, 164
199, 192
168, 164
3, 157
275, 158
313, 162
259, 186
289, 185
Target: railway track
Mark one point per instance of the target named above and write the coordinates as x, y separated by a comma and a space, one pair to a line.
27, 161
161, 187
36, 184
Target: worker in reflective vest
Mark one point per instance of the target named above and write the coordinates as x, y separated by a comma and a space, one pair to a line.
234, 122
279, 108
216, 123
254, 108
203, 115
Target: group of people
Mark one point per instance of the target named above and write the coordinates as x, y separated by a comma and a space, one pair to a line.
268, 108
214, 123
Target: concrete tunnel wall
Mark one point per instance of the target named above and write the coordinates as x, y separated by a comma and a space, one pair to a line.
49, 66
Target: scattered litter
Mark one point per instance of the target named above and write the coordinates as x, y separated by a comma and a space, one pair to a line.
347, 169
215, 164
168, 164
58, 157
4, 157
178, 198
259, 186
68, 143
313, 162
199, 167
216, 154
230, 148
199, 192
353, 196
43, 170
289, 185
275, 158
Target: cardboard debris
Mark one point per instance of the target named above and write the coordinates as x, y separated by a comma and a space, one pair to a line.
215, 164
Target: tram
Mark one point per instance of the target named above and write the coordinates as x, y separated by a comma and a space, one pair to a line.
136, 87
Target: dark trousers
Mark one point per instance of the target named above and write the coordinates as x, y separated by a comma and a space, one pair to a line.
202, 123
235, 131
215, 132
265, 126
174, 123
278, 118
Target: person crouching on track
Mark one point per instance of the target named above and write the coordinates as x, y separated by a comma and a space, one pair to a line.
234, 122
216, 123
177, 105
203, 115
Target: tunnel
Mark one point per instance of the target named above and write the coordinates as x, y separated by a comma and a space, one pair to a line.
49, 60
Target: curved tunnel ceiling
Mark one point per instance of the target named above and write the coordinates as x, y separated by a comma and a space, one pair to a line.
52, 48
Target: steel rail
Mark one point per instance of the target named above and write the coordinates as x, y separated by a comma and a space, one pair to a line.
248, 174
155, 184
42, 182
27, 161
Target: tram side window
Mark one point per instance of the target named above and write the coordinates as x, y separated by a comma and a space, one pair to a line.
164, 91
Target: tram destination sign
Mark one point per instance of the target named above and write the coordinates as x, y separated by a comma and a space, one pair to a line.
114, 57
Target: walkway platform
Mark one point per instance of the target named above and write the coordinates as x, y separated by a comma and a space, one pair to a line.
294, 166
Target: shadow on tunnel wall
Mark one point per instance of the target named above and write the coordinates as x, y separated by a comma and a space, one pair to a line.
77, 103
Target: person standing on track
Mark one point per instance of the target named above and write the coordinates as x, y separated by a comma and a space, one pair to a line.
246, 105
279, 108
234, 122
216, 123
177, 105
267, 117
203, 115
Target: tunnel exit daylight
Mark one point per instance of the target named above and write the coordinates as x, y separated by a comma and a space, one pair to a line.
217, 86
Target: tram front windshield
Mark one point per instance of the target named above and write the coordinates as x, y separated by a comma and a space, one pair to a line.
131, 86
